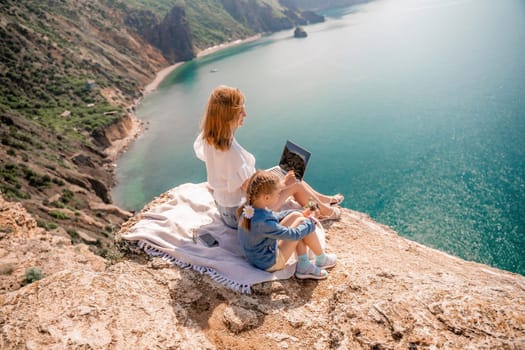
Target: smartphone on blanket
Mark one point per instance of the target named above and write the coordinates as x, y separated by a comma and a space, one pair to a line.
209, 240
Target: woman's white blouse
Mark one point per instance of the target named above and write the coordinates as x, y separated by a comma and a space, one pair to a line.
226, 170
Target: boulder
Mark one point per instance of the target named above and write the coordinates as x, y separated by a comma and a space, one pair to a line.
299, 32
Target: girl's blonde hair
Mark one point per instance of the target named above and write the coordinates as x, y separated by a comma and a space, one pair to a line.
224, 108
262, 182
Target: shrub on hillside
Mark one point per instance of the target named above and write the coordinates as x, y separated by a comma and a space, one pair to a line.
58, 215
33, 274
66, 197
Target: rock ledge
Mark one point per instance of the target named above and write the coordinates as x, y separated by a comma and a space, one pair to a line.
386, 293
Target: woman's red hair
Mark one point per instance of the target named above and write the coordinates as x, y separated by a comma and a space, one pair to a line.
223, 110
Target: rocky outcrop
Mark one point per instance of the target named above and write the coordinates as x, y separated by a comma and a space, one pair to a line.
59, 182
24, 245
385, 293
121, 308
172, 36
175, 37
100, 189
300, 33
119, 129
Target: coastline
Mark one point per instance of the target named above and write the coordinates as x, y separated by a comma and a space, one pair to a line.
161, 75
223, 46
120, 146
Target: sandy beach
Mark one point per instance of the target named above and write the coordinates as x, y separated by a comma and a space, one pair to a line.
216, 48
161, 75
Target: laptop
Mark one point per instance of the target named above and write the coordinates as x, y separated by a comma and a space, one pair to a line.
294, 157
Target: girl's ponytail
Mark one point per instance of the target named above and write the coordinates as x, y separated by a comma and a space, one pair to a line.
245, 213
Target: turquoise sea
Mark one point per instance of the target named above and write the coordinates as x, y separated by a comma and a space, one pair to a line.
413, 109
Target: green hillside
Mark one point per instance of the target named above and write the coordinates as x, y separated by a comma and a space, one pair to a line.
70, 74
210, 22
68, 71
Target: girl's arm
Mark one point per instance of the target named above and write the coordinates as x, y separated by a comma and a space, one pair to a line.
272, 229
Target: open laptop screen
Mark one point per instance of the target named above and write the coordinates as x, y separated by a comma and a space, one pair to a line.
294, 157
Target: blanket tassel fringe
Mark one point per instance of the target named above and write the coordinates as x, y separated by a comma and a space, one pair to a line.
217, 277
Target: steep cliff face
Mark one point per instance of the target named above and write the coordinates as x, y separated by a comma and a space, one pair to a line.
64, 184
385, 293
175, 37
113, 132
69, 70
171, 36
177, 32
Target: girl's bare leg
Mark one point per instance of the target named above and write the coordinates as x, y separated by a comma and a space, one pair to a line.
293, 219
312, 242
300, 249
288, 247
304, 269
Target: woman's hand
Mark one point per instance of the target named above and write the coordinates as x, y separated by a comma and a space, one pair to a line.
313, 211
289, 178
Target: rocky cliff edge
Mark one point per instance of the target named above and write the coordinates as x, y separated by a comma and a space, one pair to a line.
386, 293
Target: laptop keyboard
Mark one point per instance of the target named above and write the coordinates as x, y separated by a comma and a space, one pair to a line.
277, 170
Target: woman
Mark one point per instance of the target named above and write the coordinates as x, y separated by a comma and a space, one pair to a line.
229, 166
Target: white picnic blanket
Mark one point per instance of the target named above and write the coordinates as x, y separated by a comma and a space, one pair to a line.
170, 230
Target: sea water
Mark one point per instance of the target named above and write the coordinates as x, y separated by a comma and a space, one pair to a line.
413, 109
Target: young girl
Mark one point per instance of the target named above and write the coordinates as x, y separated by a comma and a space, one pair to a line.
269, 238
229, 165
